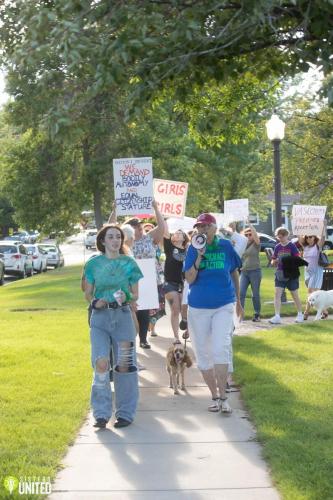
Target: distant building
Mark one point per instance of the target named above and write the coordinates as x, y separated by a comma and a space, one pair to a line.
267, 225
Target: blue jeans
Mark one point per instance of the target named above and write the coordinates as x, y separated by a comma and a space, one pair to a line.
116, 327
252, 278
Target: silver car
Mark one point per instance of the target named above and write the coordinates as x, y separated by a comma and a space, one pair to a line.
17, 260
39, 257
55, 257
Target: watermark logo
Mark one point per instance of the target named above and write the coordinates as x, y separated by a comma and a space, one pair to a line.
11, 483
28, 485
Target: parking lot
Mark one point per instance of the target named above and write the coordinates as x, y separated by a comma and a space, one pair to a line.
73, 250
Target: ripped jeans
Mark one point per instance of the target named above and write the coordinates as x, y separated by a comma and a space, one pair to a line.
116, 327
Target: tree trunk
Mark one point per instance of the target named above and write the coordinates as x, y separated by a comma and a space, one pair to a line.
98, 208
96, 191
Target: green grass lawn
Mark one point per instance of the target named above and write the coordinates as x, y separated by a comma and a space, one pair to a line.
45, 372
45, 378
286, 375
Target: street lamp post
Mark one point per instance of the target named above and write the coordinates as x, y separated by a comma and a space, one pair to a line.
275, 133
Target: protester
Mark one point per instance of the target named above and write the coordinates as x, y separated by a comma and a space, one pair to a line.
238, 241
175, 251
111, 286
214, 288
251, 271
314, 273
283, 249
144, 247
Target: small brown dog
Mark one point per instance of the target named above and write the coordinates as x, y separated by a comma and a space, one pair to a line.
177, 360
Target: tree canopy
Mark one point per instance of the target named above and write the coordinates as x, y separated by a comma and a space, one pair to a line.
154, 42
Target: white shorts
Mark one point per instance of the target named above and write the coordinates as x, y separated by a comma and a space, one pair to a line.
211, 333
185, 293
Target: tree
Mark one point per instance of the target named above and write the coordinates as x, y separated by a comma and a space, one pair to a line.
43, 183
154, 42
307, 154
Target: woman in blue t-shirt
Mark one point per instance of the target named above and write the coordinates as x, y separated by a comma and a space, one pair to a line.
112, 289
214, 288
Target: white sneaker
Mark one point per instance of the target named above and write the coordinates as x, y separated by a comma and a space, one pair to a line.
215, 405
299, 318
225, 407
276, 320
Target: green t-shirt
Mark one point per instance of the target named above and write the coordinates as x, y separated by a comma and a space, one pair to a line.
109, 275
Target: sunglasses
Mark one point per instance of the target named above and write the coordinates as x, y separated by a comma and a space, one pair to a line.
248, 234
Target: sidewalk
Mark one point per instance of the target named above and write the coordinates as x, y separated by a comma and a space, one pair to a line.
174, 450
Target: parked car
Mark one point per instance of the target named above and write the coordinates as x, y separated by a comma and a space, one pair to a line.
22, 236
2, 269
34, 235
328, 245
55, 257
90, 239
39, 258
17, 260
266, 241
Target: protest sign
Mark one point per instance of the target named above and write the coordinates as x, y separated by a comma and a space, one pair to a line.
171, 197
185, 224
308, 220
133, 186
148, 295
236, 210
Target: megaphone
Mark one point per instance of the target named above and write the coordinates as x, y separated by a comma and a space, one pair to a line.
199, 241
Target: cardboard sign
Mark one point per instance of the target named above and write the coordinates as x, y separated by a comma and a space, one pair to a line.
148, 295
133, 186
171, 197
185, 224
236, 210
308, 220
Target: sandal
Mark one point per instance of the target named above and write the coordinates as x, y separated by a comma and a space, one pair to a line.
225, 407
215, 405
185, 335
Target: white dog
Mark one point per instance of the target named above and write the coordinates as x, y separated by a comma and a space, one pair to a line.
321, 300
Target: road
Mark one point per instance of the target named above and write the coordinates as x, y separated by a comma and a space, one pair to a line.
74, 253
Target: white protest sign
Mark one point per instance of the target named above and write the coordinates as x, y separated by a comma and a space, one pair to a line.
171, 197
133, 185
221, 220
236, 210
148, 294
308, 220
185, 224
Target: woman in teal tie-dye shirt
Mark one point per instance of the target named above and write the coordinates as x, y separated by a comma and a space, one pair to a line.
112, 289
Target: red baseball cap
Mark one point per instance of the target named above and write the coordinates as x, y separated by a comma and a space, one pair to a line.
205, 219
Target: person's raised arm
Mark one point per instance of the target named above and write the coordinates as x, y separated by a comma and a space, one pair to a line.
255, 235
321, 242
113, 217
158, 231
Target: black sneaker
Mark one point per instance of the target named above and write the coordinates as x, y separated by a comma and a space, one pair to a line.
145, 345
256, 318
183, 324
121, 422
100, 423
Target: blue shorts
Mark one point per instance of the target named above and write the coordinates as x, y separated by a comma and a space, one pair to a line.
291, 284
172, 286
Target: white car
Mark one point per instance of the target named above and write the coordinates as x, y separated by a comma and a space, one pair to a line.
39, 258
17, 260
55, 257
90, 238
